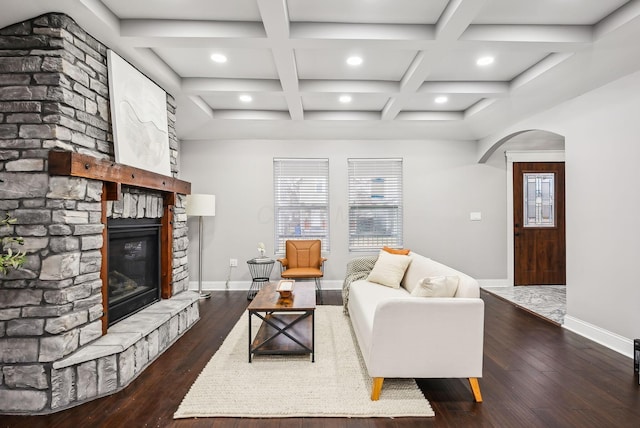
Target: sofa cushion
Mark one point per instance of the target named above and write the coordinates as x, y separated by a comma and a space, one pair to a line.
389, 269
422, 267
436, 286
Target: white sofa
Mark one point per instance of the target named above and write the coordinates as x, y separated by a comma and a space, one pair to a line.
403, 336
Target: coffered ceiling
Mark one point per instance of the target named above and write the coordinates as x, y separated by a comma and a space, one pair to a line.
418, 76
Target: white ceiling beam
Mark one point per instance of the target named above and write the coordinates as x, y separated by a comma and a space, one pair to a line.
456, 18
479, 106
158, 70
275, 17
554, 34
197, 42
288, 73
251, 115
391, 109
201, 105
351, 86
482, 88
622, 16
163, 28
378, 45
414, 77
206, 84
103, 13
342, 115
430, 115
329, 31
542, 67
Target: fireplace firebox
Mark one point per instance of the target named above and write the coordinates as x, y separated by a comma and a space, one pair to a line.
133, 266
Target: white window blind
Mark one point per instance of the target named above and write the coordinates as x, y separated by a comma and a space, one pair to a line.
301, 205
375, 203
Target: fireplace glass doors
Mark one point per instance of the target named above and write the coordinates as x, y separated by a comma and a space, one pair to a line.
133, 266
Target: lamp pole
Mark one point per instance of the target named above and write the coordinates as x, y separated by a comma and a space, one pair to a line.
200, 293
201, 205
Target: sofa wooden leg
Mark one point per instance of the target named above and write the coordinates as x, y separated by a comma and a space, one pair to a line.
377, 388
475, 388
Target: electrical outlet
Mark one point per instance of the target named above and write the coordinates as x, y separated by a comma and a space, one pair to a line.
233, 262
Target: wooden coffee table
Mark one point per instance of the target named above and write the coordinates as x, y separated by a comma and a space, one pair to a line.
288, 325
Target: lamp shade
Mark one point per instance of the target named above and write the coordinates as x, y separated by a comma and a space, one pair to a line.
201, 205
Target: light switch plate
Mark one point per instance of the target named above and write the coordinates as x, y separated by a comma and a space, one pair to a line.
475, 216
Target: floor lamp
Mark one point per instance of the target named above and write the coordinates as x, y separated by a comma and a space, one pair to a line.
201, 206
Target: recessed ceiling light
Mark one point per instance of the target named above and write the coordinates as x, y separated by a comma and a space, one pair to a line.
354, 60
246, 98
219, 58
485, 60
345, 98
441, 99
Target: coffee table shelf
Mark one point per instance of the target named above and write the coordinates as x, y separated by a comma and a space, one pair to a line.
268, 341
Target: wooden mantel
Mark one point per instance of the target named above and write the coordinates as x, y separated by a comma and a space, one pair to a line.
113, 175
78, 165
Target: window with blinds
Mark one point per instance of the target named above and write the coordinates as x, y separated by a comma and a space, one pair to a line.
301, 200
375, 204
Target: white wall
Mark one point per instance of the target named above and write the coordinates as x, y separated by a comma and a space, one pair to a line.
442, 185
602, 150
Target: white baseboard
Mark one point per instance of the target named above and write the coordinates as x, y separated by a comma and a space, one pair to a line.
244, 285
599, 335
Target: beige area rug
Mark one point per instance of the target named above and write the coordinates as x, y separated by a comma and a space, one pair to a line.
335, 385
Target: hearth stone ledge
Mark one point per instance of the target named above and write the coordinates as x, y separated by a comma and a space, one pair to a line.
112, 362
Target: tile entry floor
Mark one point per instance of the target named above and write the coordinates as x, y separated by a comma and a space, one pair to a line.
547, 301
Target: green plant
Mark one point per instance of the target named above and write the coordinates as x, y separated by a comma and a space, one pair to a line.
10, 259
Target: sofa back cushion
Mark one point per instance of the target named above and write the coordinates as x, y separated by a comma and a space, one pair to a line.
423, 267
436, 286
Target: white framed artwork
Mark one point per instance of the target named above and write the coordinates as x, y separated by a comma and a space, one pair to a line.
138, 117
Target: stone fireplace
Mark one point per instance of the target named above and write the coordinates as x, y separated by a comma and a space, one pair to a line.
59, 346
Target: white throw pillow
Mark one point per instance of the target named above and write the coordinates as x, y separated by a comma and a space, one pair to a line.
436, 286
389, 269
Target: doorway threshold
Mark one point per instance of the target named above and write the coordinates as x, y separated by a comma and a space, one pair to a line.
546, 301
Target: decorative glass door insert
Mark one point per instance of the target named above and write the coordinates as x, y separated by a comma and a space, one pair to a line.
539, 199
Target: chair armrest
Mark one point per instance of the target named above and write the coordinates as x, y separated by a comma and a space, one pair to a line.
283, 264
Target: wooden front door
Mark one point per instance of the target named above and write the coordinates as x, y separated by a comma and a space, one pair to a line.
539, 223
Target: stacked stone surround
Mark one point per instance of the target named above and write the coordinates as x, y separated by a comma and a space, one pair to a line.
54, 95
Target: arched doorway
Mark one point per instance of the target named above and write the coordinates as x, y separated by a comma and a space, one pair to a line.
531, 147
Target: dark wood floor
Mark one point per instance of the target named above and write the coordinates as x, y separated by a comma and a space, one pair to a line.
535, 375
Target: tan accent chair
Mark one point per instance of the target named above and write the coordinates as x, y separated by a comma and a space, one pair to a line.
303, 260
